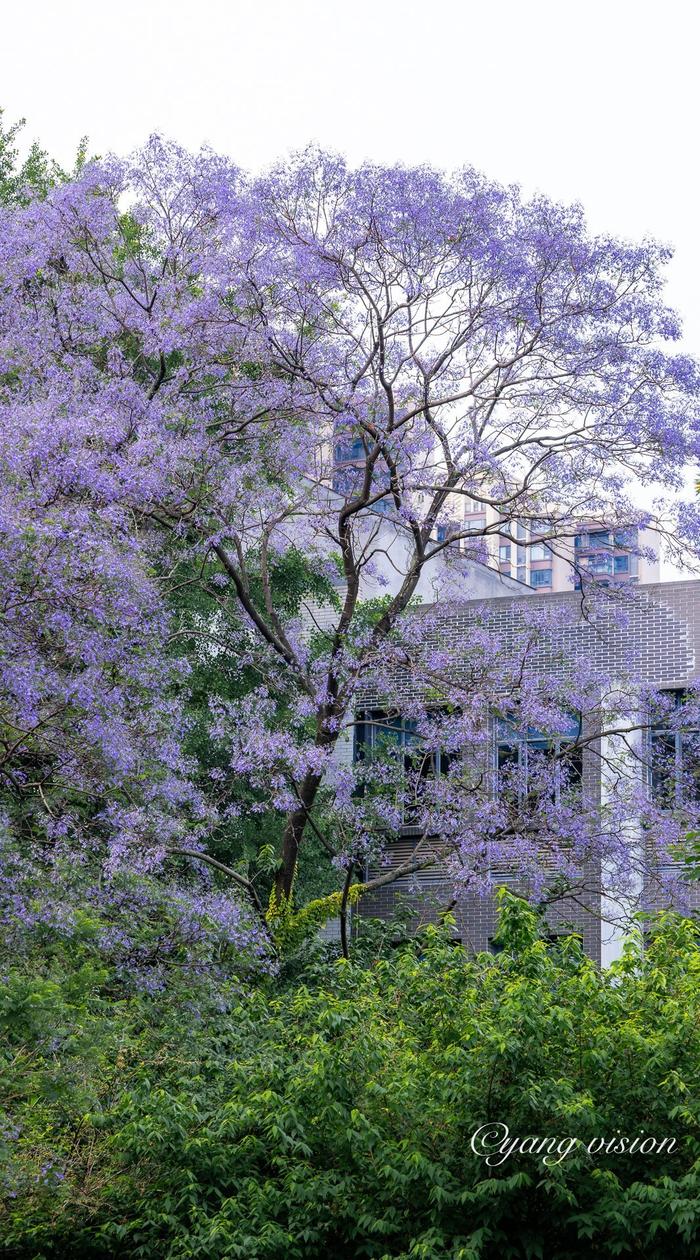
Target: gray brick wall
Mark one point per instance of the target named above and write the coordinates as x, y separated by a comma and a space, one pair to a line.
657, 643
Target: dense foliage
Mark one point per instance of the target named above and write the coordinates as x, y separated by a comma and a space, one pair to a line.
334, 1116
239, 418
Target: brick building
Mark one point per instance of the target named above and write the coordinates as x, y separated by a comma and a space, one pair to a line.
656, 642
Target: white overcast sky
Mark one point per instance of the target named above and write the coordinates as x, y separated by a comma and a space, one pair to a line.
595, 102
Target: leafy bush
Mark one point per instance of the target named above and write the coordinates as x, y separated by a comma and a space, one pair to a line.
334, 1119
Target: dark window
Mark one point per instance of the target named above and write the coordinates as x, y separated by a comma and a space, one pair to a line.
377, 731
522, 755
347, 451
348, 479
552, 939
622, 564
541, 577
380, 735
675, 756
599, 538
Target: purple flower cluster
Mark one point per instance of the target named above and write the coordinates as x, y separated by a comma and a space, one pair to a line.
200, 370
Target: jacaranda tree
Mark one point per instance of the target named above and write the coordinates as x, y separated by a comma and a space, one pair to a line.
208, 381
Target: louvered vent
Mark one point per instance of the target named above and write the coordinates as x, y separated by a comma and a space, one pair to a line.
402, 850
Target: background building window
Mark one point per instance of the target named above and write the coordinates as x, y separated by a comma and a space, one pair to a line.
600, 563
599, 538
347, 451
541, 577
626, 537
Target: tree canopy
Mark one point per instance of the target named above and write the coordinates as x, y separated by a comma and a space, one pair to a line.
186, 355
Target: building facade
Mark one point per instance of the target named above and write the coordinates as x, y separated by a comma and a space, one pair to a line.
609, 556
656, 643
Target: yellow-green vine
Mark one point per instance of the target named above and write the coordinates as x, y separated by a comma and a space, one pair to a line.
291, 928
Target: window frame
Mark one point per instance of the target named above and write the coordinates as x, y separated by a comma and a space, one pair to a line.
671, 734
523, 742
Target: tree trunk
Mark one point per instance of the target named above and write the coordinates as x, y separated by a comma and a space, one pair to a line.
292, 837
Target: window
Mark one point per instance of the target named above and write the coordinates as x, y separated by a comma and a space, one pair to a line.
540, 551
674, 756
522, 756
541, 577
522, 574
599, 564
599, 538
475, 523
553, 940
349, 472
622, 564
347, 479
626, 538
379, 735
504, 552
376, 731
346, 451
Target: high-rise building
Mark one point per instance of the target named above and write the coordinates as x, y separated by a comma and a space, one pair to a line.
536, 554
526, 553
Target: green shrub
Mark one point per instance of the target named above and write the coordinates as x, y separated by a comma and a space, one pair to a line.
334, 1119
